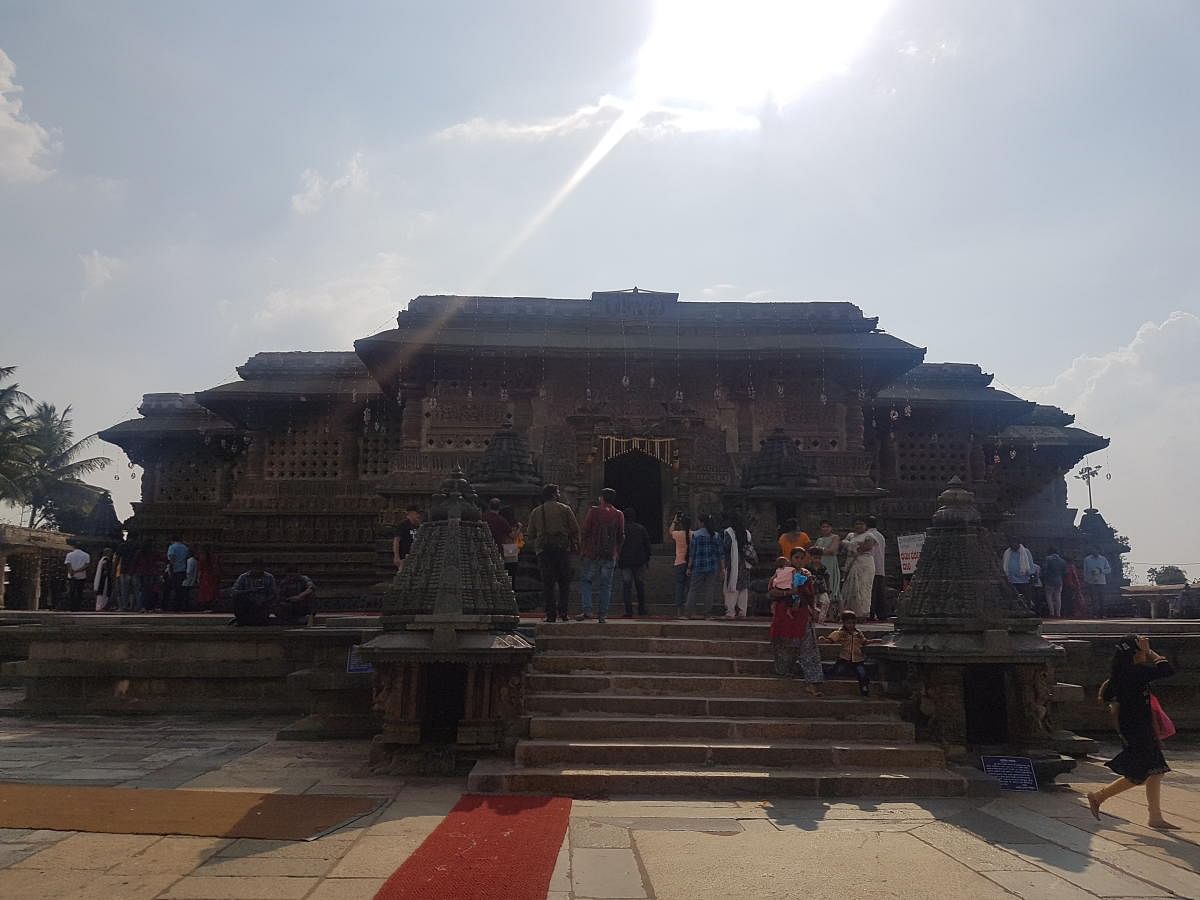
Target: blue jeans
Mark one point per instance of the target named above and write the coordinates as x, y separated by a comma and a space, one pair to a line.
596, 575
681, 586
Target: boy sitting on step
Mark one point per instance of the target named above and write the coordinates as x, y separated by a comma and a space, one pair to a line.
851, 657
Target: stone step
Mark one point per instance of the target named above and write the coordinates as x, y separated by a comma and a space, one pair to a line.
495, 776
679, 685
564, 662
601, 643
535, 753
643, 705
706, 629
586, 728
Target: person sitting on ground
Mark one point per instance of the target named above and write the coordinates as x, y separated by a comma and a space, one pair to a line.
851, 657
297, 598
254, 593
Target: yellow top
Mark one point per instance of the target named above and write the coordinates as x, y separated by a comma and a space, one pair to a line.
852, 644
788, 543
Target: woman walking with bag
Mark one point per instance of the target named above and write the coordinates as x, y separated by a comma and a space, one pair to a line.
1141, 723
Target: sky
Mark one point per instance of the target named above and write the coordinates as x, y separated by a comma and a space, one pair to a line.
1013, 184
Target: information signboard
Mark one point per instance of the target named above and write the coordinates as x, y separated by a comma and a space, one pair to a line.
1015, 773
356, 665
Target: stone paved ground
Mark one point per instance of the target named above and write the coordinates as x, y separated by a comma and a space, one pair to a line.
1044, 845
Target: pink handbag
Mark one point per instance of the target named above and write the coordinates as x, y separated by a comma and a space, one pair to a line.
1163, 726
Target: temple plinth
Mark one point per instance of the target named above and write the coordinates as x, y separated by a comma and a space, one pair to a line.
967, 658
448, 664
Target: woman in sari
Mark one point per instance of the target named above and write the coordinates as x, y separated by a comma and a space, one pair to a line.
829, 544
792, 633
860, 571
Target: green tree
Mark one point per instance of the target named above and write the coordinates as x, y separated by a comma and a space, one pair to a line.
1166, 575
16, 451
53, 479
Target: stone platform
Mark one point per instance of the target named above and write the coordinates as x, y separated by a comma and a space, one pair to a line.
691, 707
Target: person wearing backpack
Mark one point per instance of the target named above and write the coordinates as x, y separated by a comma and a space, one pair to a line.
738, 556
553, 533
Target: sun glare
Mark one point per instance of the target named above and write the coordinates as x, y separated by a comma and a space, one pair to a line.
740, 56
721, 63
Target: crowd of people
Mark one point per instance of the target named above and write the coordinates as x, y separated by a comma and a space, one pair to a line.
1068, 590
137, 577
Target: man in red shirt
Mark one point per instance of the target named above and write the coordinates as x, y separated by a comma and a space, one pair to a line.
603, 534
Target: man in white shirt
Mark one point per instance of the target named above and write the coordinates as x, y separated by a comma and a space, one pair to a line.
1096, 569
879, 589
77, 562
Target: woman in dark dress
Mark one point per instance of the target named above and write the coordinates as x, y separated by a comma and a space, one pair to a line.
1141, 761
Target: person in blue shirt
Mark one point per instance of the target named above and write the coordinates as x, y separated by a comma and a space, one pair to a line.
175, 594
706, 569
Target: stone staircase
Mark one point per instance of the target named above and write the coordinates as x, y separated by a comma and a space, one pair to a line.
641, 707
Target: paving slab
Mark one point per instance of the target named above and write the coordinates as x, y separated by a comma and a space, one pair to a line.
1039, 885
816, 866
377, 856
175, 853
1053, 830
594, 834
603, 874
265, 865
1084, 872
333, 847
674, 823
33, 884
975, 853
240, 888
560, 878
1182, 881
88, 851
347, 889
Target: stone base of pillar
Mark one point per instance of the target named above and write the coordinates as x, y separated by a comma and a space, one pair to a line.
480, 733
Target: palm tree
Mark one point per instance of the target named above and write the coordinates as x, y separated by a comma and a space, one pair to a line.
16, 451
54, 476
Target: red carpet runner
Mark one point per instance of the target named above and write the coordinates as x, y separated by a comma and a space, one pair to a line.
489, 848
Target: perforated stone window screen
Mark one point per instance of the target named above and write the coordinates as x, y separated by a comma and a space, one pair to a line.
304, 455
187, 481
926, 459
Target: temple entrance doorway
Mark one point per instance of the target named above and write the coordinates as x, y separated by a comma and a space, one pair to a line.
637, 478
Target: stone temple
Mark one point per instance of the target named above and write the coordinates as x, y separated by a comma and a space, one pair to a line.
782, 410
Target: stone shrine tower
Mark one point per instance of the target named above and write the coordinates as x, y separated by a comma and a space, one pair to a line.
448, 664
967, 657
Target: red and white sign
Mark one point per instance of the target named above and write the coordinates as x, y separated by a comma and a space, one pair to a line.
910, 551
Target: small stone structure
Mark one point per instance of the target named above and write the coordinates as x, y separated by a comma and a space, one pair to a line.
448, 664
967, 656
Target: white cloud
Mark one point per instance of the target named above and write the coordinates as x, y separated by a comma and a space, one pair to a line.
317, 188
345, 306
659, 121
99, 270
734, 292
24, 144
1146, 397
